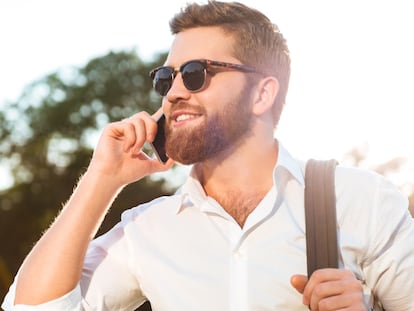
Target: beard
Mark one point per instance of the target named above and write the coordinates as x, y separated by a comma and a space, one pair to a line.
222, 131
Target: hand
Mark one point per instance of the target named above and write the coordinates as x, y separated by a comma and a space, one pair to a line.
119, 155
330, 289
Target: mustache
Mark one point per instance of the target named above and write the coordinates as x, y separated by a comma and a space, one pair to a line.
182, 105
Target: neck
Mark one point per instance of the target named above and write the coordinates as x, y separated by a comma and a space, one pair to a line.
239, 181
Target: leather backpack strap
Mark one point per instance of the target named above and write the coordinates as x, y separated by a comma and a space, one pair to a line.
320, 215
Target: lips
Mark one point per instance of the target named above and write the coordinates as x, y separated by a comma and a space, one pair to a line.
180, 117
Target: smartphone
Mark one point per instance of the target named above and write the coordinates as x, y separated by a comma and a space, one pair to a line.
158, 145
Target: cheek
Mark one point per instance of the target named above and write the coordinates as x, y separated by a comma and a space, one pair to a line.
224, 87
220, 89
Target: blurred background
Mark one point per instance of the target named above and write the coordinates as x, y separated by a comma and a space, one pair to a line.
69, 68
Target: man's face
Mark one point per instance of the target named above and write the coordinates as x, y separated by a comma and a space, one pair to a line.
210, 122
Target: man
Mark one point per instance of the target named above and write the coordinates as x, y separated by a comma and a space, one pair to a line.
233, 237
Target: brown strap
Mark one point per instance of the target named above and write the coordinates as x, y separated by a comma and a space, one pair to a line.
320, 215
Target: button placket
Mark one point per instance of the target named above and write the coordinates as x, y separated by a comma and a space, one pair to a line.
238, 275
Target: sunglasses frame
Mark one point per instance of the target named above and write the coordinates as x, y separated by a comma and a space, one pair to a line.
207, 64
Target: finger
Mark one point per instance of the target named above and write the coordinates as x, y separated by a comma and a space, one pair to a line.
122, 132
161, 167
340, 302
132, 134
140, 133
158, 114
299, 282
153, 131
144, 126
327, 283
323, 293
149, 123
154, 165
317, 277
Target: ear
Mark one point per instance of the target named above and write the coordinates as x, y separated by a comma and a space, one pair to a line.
266, 93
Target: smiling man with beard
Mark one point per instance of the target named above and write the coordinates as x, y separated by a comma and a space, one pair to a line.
222, 128
233, 236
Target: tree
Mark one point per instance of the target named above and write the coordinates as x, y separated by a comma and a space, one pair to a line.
47, 137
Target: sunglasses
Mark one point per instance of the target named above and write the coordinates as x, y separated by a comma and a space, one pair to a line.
193, 73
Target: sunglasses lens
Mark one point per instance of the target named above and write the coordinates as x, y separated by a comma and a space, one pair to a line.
163, 80
193, 75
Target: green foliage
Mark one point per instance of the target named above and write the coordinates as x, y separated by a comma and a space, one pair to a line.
47, 137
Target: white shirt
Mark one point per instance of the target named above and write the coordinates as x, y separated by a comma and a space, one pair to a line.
184, 252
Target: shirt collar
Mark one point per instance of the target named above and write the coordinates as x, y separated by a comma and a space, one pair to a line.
287, 167
288, 164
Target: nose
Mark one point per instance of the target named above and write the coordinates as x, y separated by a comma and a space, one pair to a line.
177, 91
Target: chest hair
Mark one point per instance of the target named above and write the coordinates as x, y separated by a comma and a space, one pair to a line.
239, 204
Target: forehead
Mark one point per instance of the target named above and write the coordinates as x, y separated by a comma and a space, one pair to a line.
201, 43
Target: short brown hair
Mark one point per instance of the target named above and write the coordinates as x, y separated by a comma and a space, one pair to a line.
258, 42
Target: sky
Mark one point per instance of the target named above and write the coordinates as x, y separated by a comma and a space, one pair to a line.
352, 62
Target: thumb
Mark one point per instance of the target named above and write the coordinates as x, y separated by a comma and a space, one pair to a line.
157, 166
299, 281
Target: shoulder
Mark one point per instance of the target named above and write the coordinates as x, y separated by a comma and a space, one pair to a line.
356, 179
368, 187
369, 206
159, 207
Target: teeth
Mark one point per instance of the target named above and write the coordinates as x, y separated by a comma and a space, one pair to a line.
183, 117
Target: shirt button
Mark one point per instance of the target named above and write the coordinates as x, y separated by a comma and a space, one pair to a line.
237, 255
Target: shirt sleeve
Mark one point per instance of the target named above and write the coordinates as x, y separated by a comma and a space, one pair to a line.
108, 279
69, 302
390, 258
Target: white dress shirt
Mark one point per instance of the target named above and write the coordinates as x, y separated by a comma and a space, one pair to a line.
185, 252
